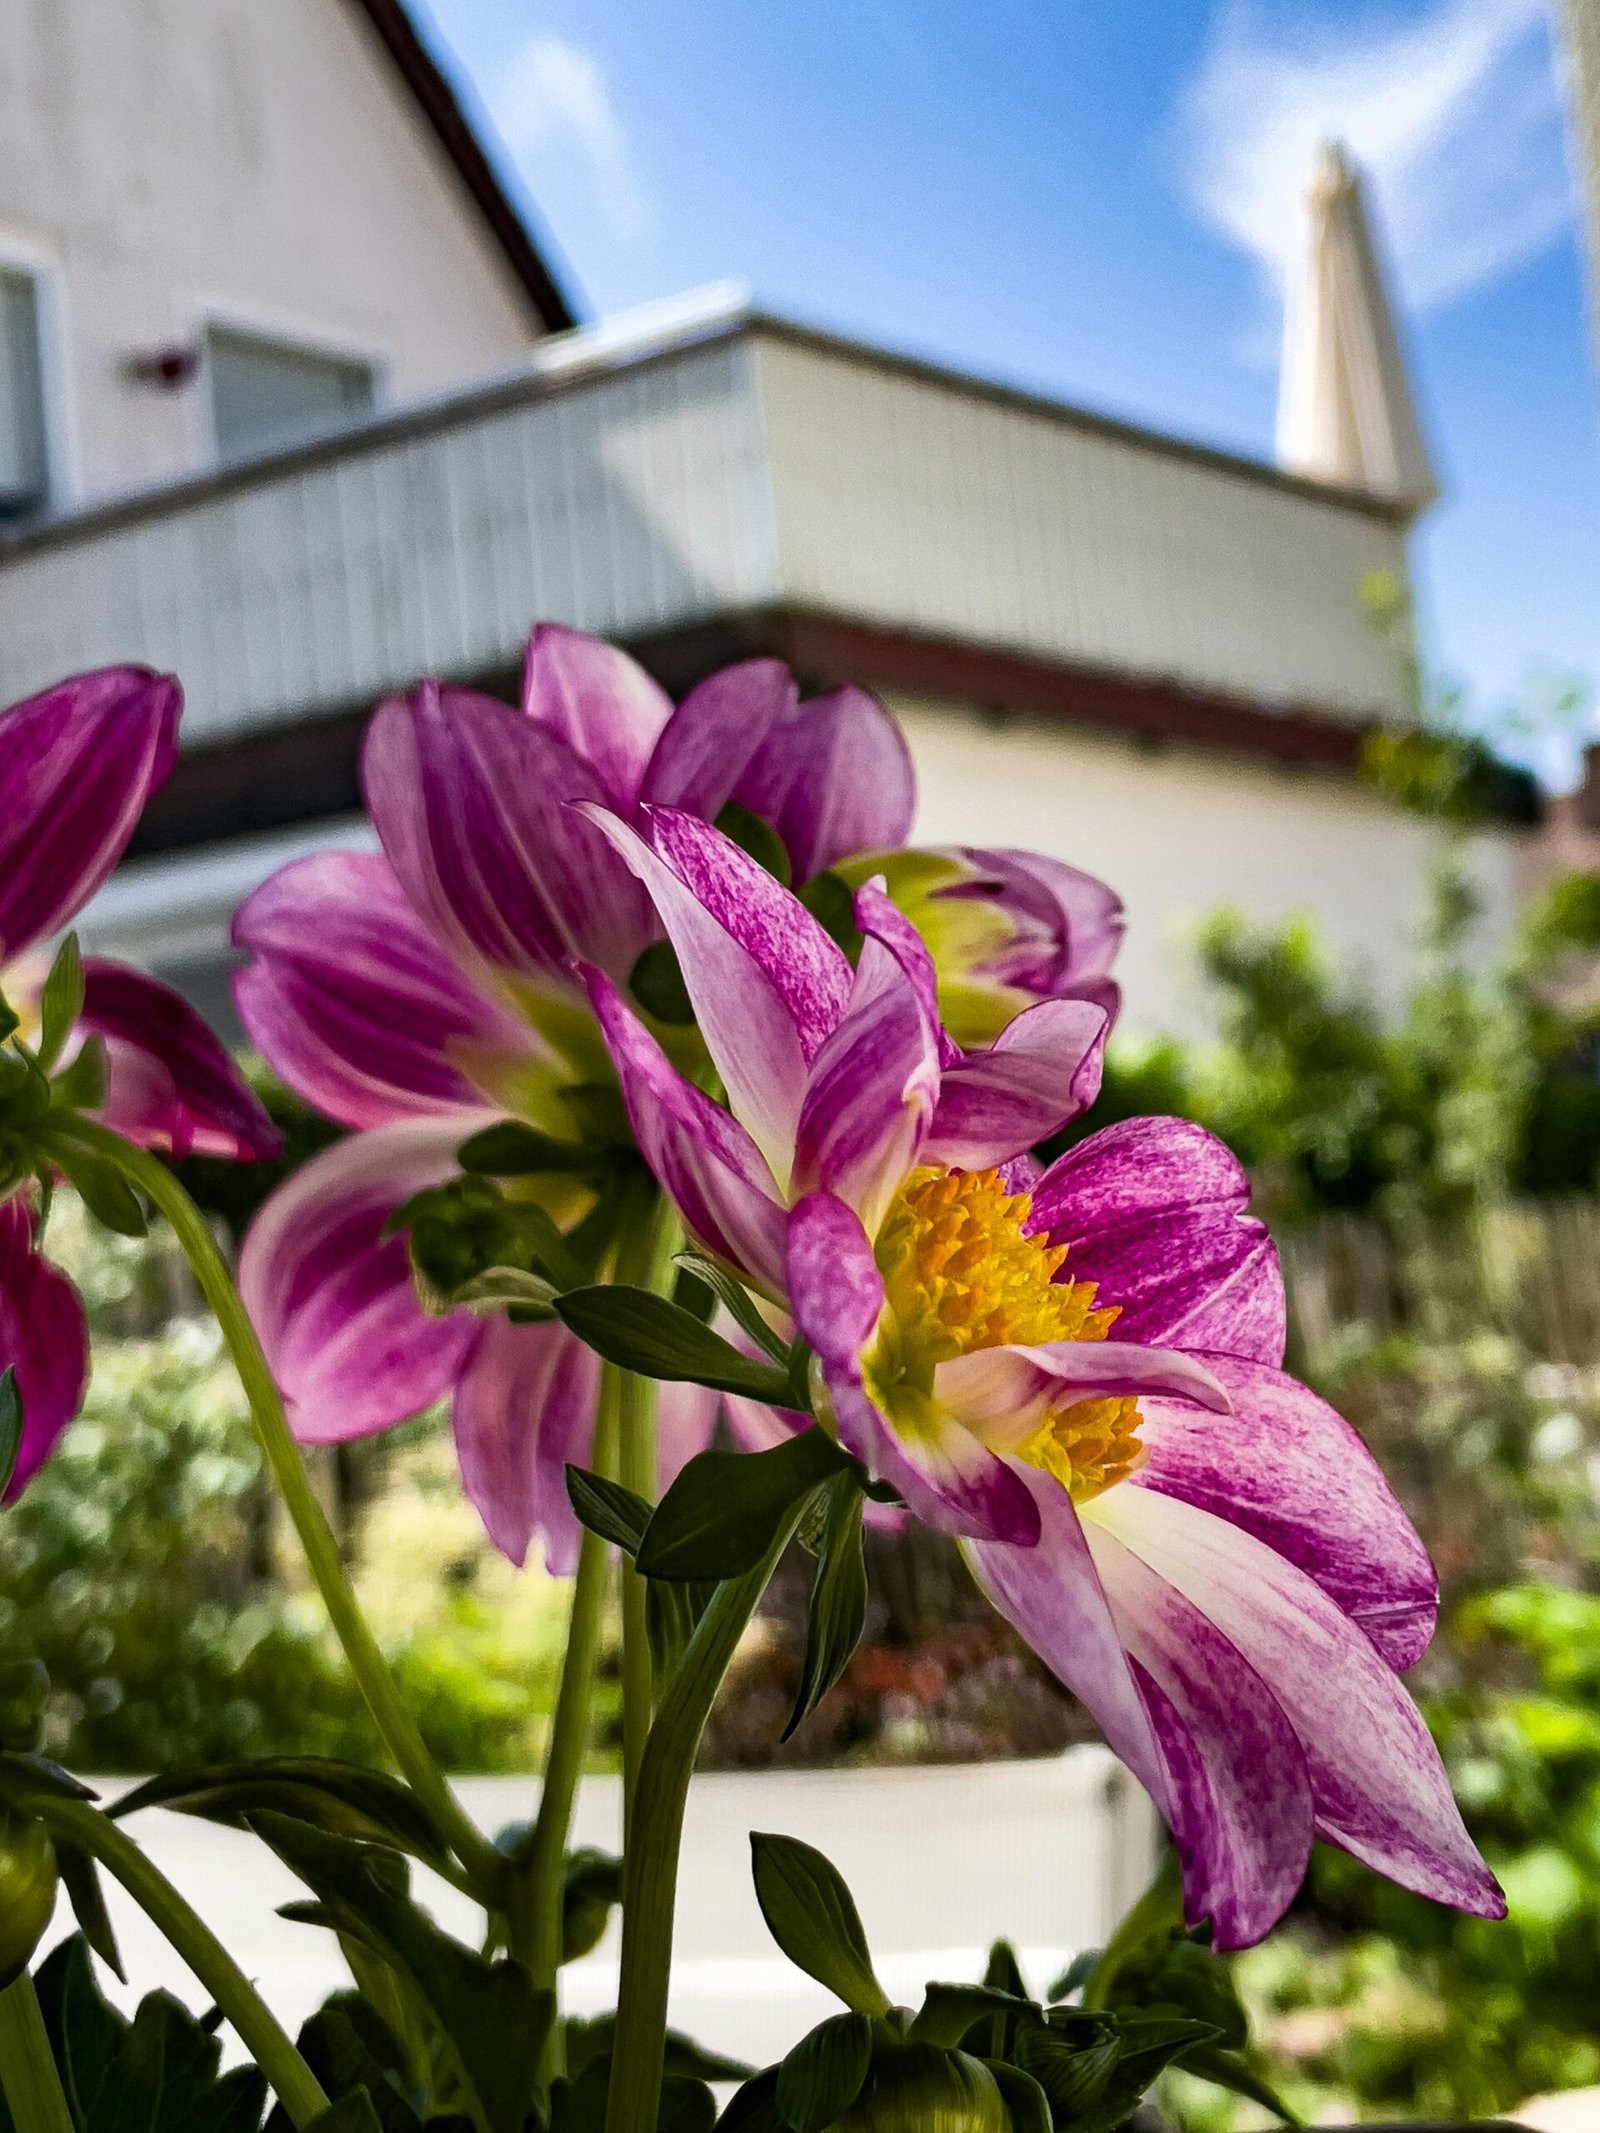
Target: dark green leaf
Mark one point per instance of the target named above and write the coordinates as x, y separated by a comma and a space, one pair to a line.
673, 1607
1152, 1924
489, 2014
351, 2114
10, 1020
656, 982
24, 1685
591, 1888
10, 1426
80, 1877
81, 1086
1232, 2071
350, 2048
1074, 2077
607, 1508
812, 1916
591, 2040
86, 2033
755, 2108
758, 838
101, 1187
725, 1509
831, 902
643, 1332
822, 2076
1003, 1972
510, 1150
686, 2107
1077, 1973
1026, 2104
25, 1777
60, 1002
837, 1611
738, 1302
949, 2011
529, 1299
341, 1798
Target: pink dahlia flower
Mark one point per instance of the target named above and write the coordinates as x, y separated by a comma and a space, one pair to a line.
77, 765
1078, 1373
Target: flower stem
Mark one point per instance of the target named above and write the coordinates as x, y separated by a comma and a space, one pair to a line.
291, 2080
645, 1260
537, 1920
649, 1890
394, 1722
29, 2080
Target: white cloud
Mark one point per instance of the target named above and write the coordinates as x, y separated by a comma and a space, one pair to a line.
552, 98
1453, 111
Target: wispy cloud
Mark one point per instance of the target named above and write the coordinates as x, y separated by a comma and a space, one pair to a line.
1452, 109
552, 98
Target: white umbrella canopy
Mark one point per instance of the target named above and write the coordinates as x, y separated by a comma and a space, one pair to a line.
1345, 411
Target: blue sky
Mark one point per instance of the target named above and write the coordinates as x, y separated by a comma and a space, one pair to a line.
1096, 200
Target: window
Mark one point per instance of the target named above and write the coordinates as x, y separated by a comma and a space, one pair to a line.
24, 454
266, 393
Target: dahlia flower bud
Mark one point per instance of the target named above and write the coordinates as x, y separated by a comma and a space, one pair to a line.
923, 2088
27, 1889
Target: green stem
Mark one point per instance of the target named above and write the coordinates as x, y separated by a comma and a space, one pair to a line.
538, 1914
292, 2081
645, 1260
29, 2080
394, 1722
650, 1879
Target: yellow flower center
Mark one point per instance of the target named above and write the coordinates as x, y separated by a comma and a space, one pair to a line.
960, 1274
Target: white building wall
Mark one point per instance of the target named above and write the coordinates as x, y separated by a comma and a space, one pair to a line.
1179, 832
253, 162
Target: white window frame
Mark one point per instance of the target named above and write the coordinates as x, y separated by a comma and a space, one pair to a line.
285, 331
21, 254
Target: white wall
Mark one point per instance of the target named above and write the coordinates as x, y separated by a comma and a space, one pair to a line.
1179, 831
254, 161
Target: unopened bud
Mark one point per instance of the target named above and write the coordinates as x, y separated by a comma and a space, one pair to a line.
922, 2088
27, 1889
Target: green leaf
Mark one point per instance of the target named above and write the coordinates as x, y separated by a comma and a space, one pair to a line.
24, 1776
80, 1877
723, 1512
949, 2011
60, 1002
1232, 2071
672, 1607
591, 1888
1076, 2078
822, 2076
343, 1799
10, 1020
82, 1085
1077, 1973
1026, 2104
686, 2107
1003, 1972
490, 2017
737, 1301
101, 1187
758, 838
607, 1508
350, 2049
510, 1150
528, 1298
1157, 1918
831, 902
755, 2108
351, 2114
10, 1426
837, 1611
656, 982
812, 1916
640, 1331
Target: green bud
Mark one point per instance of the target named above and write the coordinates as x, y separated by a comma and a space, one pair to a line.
27, 1889
922, 2088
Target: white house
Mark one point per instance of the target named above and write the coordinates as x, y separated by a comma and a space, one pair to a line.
286, 416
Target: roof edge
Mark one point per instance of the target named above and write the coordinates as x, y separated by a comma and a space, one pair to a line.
441, 108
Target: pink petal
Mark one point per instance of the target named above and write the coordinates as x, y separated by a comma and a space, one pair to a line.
709, 740
474, 808
1376, 1779
170, 1083
524, 1410
43, 1338
77, 765
701, 1156
597, 700
1067, 924
1241, 1808
351, 1001
746, 1012
1286, 1468
834, 779
333, 1303
1002, 1391
1042, 1071
1153, 1211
